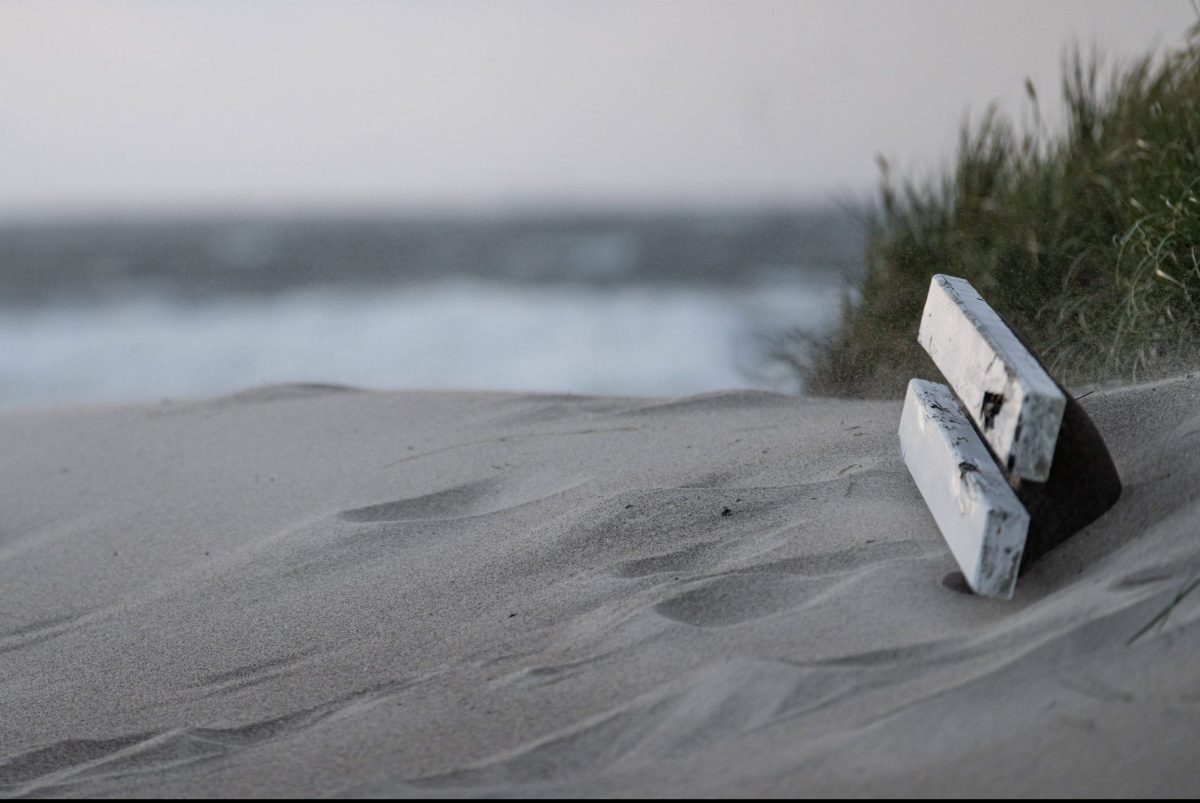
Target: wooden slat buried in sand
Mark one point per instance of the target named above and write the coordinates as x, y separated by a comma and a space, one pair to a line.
972, 503
1017, 407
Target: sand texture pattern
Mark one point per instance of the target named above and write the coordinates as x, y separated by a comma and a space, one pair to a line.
315, 590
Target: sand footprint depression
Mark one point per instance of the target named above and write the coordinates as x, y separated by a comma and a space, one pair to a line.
740, 598
770, 588
461, 500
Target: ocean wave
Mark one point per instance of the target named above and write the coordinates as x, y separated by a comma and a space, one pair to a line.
657, 340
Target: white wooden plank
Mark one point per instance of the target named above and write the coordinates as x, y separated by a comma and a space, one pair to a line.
1015, 404
973, 505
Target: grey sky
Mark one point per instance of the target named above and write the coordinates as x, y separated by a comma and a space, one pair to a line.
175, 103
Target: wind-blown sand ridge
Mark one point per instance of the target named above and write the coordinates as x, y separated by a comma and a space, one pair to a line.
316, 590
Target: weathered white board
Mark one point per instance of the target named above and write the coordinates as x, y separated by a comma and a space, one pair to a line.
1016, 405
973, 505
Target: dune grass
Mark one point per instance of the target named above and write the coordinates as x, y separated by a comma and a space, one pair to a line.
1084, 237
1161, 617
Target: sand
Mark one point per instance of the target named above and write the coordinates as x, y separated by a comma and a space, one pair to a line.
315, 590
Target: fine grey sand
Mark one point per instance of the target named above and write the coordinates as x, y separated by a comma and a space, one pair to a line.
314, 590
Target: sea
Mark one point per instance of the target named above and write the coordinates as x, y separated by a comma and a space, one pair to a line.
115, 310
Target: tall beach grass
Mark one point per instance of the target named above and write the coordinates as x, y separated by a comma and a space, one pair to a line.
1086, 237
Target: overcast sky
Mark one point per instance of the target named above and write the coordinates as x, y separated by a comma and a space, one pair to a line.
170, 104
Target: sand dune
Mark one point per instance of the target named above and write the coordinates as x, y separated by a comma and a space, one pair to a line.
316, 590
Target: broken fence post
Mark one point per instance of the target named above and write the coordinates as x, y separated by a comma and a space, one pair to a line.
1031, 433
976, 510
1014, 402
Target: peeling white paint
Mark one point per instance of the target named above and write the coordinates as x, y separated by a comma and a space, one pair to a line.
973, 505
1015, 404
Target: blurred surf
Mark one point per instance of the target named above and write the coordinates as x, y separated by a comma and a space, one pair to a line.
459, 334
